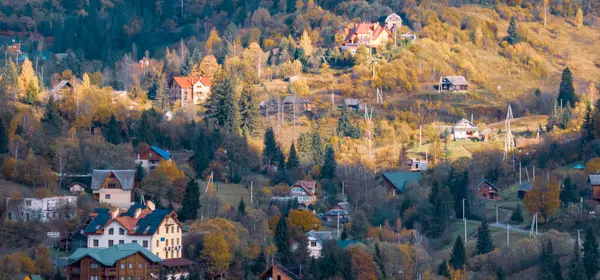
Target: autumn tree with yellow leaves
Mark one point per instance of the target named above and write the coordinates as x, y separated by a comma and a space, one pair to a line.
544, 198
217, 252
303, 220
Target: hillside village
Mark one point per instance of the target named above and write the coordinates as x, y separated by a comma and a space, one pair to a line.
303, 139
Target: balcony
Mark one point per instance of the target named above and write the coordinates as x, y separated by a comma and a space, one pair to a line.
74, 270
110, 271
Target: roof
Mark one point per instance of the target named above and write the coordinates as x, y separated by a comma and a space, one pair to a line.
164, 154
464, 125
335, 212
401, 179
125, 177
373, 29
296, 100
320, 235
188, 82
109, 256
35, 277
176, 262
579, 166
147, 223
457, 80
594, 179
351, 102
485, 181
102, 216
308, 186
525, 187
281, 269
345, 205
150, 223
345, 243
61, 85
394, 17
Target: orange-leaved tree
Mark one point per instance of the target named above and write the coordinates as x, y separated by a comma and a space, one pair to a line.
216, 252
303, 220
544, 197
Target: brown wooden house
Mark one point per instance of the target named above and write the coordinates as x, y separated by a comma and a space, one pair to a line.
123, 261
277, 272
594, 182
487, 190
455, 84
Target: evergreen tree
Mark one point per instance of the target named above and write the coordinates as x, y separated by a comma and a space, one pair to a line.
153, 90
242, 208
145, 133
344, 127
31, 94
517, 216
140, 173
191, 201
458, 259
557, 270
500, 274
576, 269
344, 234
163, 100
248, 111
359, 229
587, 127
3, 137
293, 161
10, 77
568, 193
112, 134
546, 262
443, 269
282, 241
566, 116
591, 257
438, 222
484, 239
58, 275
271, 151
201, 154
51, 119
221, 104
314, 271
458, 187
317, 148
379, 260
513, 32
329, 164
555, 118
566, 92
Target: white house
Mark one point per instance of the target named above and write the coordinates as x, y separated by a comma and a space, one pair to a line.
41, 209
316, 240
464, 129
157, 230
150, 158
304, 191
114, 187
393, 21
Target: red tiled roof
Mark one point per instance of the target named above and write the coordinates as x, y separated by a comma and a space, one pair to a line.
188, 82
365, 28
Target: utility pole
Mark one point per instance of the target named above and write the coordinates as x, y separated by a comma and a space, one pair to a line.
251, 192
497, 214
420, 136
464, 219
520, 173
508, 234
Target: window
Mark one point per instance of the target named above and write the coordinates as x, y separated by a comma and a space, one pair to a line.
95, 242
278, 277
177, 229
177, 241
167, 242
27, 217
122, 266
156, 243
28, 202
47, 215
133, 241
139, 265
121, 231
110, 243
94, 265
94, 278
167, 229
172, 241
149, 154
129, 278
121, 241
313, 244
9, 216
122, 277
145, 242
111, 231
107, 196
112, 186
130, 266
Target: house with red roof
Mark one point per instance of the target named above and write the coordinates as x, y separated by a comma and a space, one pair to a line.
371, 35
304, 191
190, 90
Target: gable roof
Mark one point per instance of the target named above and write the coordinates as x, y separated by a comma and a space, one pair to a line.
188, 82
400, 179
525, 187
457, 80
594, 179
282, 269
351, 102
373, 29
320, 235
147, 223
394, 17
62, 84
125, 177
101, 217
464, 125
485, 181
35, 277
345, 243
109, 256
296, 100
164, 154
307, 186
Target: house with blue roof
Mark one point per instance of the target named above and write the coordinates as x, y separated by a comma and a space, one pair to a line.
157, 230
121, 261
151, 157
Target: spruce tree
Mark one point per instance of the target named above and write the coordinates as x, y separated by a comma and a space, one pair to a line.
517, 216
10, 77
344, 234
566, 92
546, 262
163, 100
201, 154
359, 229
31, 94
317, 148
329, 164
513, 32
576, 268
500, 274
314, 271
557, 270
591, 257
568, 193
282, 241
242, 208
292, 161
3, 137
140, 174
191, 201
587, 127
438, 222
221, 104
271, 151
145, 133
112, 134
458, 259
248, 111
51, 119
443, 269
484, 239
379, 260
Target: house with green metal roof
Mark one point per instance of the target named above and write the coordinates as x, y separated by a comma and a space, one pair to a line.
397, 181
122, 261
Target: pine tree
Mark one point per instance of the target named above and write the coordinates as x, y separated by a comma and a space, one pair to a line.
513, 33
51, 119
113, 132
201, 152
379, 260
344, 234
438, 223
282, 241
587, 127
576, 268
484, 239
163, 101
566, 92
591, 257
359, 229
314, 271
3, 137
221, 104
344, 127
443, 269
568, 193
317, 148
458, 259
10, 78
329, 163
557, 270
242, 208
566, 117
500, 274
144, 131
292, 161
546, 262
458, 186
271, 151
248, 111
140, 173
517, 216
191, 201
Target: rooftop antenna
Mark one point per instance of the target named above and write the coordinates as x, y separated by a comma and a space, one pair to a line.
508, 140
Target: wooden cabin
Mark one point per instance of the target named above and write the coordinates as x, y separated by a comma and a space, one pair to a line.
487, 190
594, 182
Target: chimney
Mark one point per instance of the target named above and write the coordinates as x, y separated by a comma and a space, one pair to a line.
150, 205
114, 213
137, 213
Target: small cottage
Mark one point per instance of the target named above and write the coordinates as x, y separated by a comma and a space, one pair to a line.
594, 183
315, 242
417, 165
487, 190
278, 272
455, 84
352, 103
291, 103
393, 22
464, 129
523, 189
